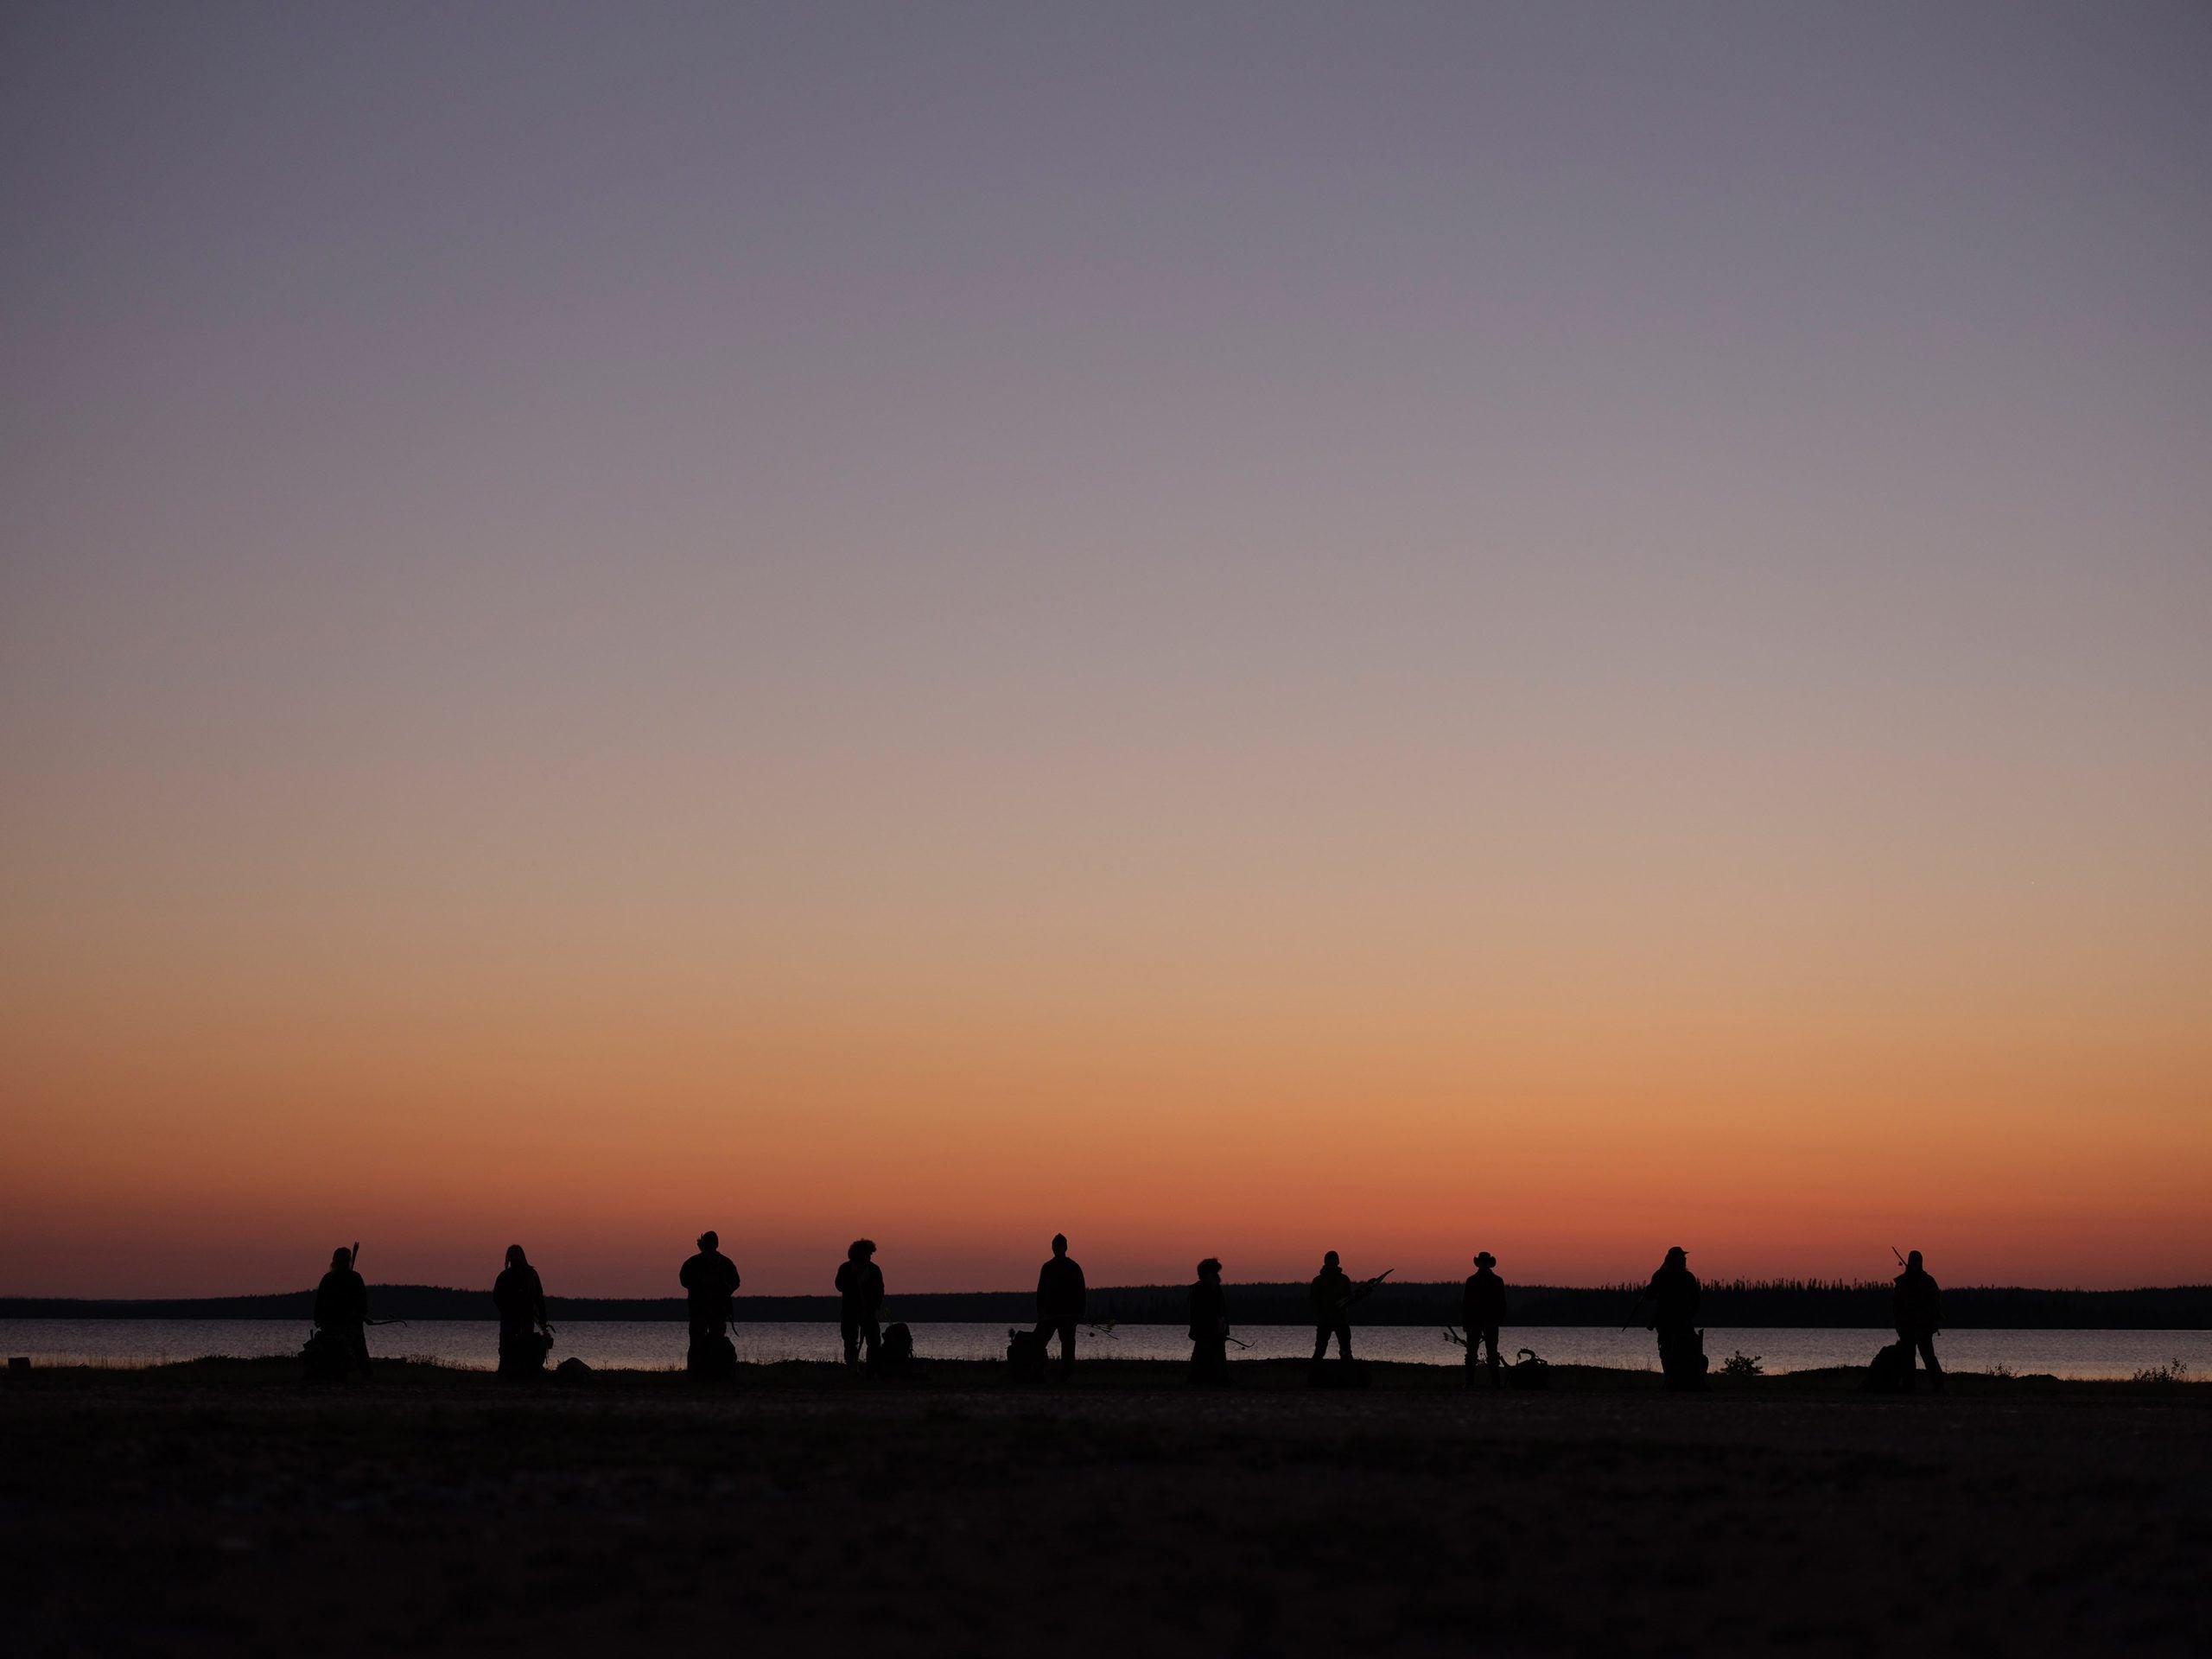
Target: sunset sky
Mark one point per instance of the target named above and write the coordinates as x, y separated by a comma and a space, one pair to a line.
1234, 629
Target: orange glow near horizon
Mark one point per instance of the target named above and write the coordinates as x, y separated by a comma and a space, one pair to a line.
1156, 1095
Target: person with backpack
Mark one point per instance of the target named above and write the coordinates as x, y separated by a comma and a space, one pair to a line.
1209, 1327
524, 1336
709, 1281
341, 1310
1482, 1311
860, 1293
1918, 1312
1061, 1294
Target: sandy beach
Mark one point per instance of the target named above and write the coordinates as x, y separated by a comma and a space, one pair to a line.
223, 1507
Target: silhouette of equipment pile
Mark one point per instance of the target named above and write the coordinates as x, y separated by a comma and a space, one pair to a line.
894, 1355
712, 1358
1890, 1372
1529, 1372
325, 1358
1025, 1356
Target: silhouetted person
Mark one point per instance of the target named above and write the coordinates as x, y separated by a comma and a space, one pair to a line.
341, 1308
1209, 1326
1482, 1310
520, 1298
1919, 1313
1332, 1293
1060, 1297
709, 1280
1674, 1292
860, 1293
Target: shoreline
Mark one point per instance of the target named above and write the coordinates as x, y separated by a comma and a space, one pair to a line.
1103, 1375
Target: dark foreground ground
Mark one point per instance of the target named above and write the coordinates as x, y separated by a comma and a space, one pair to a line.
223, 1508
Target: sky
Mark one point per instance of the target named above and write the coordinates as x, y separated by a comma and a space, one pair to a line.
1233, 629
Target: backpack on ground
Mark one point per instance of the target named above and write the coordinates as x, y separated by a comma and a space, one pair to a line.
523, 1354
323, 1359
1529, 1372
894, 1353
1684, 1363
1890, 1371
1025, 1355
713, 1358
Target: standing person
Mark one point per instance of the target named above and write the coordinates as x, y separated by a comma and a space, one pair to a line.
524, 1336
1060, 1297
709, 1280
1209, 1326
1333, 1294
1674, 1294
341, 1309
860, 1293
1919, 1314
1482, 1310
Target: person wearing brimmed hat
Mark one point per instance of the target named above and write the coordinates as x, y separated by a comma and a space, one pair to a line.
1482, 1311
1674, 1294
1209, 1327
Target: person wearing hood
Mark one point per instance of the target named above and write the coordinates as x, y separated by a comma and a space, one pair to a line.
524, 1336
1209, 1326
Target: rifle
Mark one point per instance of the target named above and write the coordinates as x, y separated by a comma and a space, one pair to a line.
1453, 1335
1893, 1251
1643, 1294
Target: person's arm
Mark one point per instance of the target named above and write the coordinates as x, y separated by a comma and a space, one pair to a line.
1081, 1294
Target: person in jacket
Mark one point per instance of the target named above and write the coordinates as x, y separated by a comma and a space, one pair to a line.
1918, 1311
341, 1308
1209, 1327
1674, 1294
709, 1281
1060, 1297
860, 1293
1332, 1295
1482, 1311
525, 1335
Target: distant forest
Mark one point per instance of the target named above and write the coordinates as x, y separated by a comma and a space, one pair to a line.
1735, 1304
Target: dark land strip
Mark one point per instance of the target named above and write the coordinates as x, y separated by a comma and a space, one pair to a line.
222, 1507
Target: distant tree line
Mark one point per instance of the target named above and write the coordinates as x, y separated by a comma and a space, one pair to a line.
1737, 1303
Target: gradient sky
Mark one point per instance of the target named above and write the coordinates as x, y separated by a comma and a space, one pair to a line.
1239, 630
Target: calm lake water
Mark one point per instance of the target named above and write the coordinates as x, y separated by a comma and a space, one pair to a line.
645, 1345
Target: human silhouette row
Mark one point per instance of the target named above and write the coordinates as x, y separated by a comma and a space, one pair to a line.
710, 1282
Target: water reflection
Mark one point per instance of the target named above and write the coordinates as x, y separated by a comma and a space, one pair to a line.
655, 1344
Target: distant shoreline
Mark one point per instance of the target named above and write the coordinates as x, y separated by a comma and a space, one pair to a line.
1740, 1305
